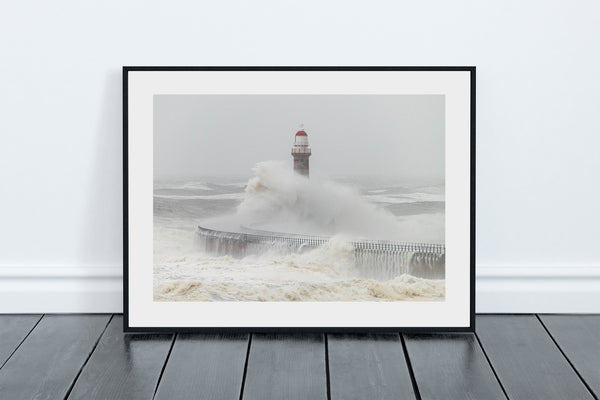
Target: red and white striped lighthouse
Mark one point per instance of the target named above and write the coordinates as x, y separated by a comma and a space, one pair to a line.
301, 152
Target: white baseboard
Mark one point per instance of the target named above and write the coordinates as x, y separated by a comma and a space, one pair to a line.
499, 289
561, 289
61, 289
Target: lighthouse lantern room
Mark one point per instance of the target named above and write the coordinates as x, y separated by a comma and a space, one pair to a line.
301, 152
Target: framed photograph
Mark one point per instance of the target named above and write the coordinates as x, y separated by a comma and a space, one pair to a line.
299, 198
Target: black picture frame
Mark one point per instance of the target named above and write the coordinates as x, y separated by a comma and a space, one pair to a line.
126, 70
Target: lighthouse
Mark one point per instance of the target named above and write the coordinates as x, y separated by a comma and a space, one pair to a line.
301, 152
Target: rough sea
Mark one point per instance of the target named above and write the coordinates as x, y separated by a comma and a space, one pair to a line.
277, 199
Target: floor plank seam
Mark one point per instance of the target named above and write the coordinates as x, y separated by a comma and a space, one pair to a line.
87, 358
21, 342
491, 366
327, 374
411, 372
162, 371
246, 366
567, 358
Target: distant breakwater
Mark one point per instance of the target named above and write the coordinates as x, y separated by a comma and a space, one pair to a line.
376, 259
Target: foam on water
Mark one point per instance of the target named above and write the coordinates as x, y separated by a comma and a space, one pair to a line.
327, 273
402, 288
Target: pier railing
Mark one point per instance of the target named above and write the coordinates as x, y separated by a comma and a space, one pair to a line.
375, 259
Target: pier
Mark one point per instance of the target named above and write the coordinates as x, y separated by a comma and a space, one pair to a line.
376, 259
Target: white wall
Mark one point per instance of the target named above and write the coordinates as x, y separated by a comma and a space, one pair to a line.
538, 127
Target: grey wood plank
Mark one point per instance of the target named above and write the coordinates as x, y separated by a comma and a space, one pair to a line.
451, 366
207, 366
579, 338
286, 366
368, 366
123, 366
526, 360
48, 361
13, 329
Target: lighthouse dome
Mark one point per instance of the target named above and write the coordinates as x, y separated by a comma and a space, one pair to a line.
301, 139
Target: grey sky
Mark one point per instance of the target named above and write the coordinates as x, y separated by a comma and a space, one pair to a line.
350, 135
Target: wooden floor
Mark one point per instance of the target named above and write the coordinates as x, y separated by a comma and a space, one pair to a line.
510, 356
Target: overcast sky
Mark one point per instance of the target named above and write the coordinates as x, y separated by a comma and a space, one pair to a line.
350, 135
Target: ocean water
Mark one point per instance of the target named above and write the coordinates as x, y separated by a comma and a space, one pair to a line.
274, 198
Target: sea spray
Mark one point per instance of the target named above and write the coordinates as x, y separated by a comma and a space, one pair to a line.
278, 199
334, 259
